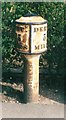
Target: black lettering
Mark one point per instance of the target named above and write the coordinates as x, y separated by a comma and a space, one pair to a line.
43, 45
34, 29
39, 46
44, 37
45, 28
37, 29
41, 29
36, 47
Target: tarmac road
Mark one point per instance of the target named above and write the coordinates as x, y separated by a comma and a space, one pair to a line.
32, 110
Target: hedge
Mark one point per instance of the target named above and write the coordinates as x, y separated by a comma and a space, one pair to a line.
53, 13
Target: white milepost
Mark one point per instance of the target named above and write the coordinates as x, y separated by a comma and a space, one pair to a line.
31, 33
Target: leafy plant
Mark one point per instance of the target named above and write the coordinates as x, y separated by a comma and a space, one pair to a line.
53, 13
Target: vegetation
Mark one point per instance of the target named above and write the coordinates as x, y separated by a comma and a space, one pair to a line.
52, 60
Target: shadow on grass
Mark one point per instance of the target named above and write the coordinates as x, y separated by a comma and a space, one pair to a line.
52, 87
13, 93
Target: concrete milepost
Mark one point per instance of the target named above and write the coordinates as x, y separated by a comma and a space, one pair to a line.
31, 33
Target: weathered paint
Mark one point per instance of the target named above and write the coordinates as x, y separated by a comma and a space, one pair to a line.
32, 41
31, 78
39, 38
32, 38
23, 32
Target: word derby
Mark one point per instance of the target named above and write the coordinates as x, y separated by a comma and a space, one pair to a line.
40, 29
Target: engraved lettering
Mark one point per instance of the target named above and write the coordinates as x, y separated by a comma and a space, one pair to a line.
36, 47
39, 46
40, 29
45, 28
34, 29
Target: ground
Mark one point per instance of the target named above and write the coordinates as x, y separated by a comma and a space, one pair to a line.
13, 93
51, 87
